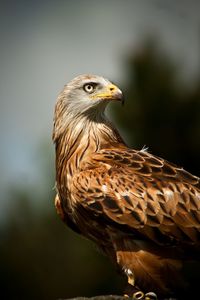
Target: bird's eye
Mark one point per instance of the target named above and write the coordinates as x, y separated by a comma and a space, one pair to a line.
89, 87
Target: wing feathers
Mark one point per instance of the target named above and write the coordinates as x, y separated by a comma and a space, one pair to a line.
142, 192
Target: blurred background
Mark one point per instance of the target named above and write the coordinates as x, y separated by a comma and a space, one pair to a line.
151, 49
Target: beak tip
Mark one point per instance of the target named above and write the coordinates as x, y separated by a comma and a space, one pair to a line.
120, 97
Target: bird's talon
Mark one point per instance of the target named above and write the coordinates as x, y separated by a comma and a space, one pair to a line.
139, 295
150, 296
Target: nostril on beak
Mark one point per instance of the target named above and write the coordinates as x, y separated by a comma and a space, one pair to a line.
111, 89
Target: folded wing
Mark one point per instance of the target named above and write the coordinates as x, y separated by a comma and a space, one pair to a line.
141, 193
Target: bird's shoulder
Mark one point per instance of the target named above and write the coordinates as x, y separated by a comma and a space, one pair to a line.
139, 190
140, 163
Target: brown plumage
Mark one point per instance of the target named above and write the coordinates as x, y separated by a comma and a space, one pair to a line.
141, 210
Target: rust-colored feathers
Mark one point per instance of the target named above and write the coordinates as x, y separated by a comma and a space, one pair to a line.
141, 190
143, 211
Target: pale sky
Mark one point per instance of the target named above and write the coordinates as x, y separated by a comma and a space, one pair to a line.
44, 44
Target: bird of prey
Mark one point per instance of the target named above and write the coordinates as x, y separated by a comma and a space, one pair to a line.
141, 210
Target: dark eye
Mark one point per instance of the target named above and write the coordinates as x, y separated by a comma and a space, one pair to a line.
89, 87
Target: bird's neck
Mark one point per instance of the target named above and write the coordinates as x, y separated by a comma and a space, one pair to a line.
81, 137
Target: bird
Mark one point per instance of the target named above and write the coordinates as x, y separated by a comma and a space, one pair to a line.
142, 211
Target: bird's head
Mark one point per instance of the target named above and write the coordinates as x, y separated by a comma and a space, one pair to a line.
89, 93
83, 99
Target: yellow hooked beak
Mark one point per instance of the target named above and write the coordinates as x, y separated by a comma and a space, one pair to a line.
111, 92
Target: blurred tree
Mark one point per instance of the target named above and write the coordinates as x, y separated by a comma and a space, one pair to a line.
161, 112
